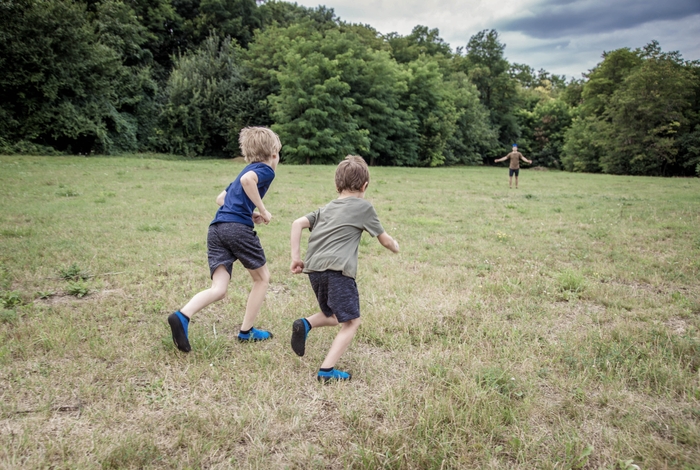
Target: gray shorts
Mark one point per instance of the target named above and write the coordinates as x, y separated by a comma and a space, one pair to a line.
228, 242
336, 294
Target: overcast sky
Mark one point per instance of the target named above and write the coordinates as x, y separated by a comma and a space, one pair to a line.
562, 36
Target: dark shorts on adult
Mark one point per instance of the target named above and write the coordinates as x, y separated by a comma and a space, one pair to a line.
230, 241
512, 172
336, 294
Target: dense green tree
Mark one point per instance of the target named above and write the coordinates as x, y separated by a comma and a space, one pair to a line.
314, 111
422, 41
237, 19
572, 93
473, 135
378, 86
390, 114
636, 115
488, 69
430, 102
582, 147
162, 30
208, 101
550, 120
645, 115
606, 78
689, 151
283, 14
65, 83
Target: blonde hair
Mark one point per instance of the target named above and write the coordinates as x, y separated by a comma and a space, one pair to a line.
258, 144
351, 174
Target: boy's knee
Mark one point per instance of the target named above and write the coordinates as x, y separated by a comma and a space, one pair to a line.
354, 323
261, 275
264, 278
220, 294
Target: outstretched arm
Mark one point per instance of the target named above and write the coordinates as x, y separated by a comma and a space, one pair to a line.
525, 159
501, 159
388, 242
297, 226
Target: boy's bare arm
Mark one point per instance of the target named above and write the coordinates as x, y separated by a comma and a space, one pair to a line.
298, 225
525, 159
249, 181
388, 242
501, 159
220, 198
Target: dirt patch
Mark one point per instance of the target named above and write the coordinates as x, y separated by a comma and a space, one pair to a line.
676, 325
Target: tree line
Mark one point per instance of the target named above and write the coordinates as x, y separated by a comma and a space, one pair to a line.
184, 76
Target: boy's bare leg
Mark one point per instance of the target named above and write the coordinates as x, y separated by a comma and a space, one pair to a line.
217, 291
319, 319
261, 280
510, 182
516, 182
341, 342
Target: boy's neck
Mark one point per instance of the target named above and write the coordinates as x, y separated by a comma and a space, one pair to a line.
272, 161
357, 194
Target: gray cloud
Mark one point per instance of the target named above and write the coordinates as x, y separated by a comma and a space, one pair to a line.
561, 18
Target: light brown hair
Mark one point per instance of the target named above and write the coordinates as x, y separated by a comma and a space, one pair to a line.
258, 144
351, 174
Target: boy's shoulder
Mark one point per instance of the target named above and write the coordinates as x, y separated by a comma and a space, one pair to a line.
350, 203
259, 168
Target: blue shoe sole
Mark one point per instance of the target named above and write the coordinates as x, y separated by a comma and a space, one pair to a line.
179, 336
299, 337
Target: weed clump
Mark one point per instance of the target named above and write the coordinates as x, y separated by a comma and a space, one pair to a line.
571, 283
77, 288
10, 300
73, 273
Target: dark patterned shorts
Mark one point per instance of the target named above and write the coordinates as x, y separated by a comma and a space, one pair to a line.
336, 294
512, 172
228, 242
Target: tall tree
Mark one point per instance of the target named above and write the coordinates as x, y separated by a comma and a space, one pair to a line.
314, 111
645, 115
473, 136
208, 101
488, 69
422, 41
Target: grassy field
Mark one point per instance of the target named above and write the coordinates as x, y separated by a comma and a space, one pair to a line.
555, 326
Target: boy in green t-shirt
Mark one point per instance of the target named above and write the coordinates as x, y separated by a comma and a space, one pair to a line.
331, 261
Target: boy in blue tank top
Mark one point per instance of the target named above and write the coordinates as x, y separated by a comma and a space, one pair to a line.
231, 237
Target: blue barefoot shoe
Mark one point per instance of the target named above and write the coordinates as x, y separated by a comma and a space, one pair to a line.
178, 325
300, 330
254, 335
332, 376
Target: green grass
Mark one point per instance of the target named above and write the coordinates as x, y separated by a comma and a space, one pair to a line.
554, 326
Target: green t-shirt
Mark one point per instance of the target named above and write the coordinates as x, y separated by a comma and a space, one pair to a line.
336, 230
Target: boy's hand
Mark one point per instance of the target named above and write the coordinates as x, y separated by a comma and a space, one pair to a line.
257, 218
396, 246
297, 266
265, 216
